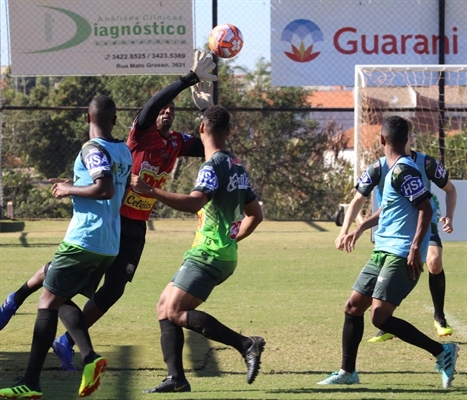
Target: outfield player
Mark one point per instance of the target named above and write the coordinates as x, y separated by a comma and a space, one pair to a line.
154, 148
228, 211
401, 244
431, 171
101, 176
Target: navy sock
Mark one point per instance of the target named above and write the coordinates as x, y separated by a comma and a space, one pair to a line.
408, 333
172, 341
437, 285
211, 328
45, 330
352, 334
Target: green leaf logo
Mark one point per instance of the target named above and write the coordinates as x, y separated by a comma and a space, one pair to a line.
83, 31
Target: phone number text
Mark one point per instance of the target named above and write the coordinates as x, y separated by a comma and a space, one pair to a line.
145, 56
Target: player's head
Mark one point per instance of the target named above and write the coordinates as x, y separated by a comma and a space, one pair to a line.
216, 121
102, 111
395, 132
166, 118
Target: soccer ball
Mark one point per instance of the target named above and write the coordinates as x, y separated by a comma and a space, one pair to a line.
225, 40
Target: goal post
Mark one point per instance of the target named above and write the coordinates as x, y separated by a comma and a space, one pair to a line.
432, 97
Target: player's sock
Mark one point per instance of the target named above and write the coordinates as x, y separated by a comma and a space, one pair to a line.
352, 334
45, 329
211, 328
23, 293
437, 285
172, 341
75, 323
70, 339
408, 333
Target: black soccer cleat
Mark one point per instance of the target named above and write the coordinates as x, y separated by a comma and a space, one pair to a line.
170, 385
253, 358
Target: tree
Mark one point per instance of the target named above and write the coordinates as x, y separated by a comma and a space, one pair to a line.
455, 151
285, 151
293, 160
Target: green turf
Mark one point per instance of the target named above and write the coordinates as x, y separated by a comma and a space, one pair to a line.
290, 287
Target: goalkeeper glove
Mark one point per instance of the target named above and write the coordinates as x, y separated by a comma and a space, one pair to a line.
202, 95
203, 64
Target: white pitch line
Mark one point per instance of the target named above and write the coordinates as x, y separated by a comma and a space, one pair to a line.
459, 327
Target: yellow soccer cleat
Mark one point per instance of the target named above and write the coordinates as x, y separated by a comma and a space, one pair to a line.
19, 392
92, 373
443, 328
381, 336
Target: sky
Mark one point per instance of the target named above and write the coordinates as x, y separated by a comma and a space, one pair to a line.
252, 17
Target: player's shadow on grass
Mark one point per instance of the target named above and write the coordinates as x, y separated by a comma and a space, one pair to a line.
433, 379
23, 242
201, 354
316, 226
358, 390
11, 226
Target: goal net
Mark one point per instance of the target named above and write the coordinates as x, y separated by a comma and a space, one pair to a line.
432, 97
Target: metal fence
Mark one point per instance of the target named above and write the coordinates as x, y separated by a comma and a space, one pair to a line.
41, 113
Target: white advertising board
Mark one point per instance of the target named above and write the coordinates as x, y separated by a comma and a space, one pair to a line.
318, 43
83, 37
460, 215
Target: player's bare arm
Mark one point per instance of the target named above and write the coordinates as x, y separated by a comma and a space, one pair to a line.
350, 239
253, 217
414, 263
101, 189
354, 208
451, 200
191, 203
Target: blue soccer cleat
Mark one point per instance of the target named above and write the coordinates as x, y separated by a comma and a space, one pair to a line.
63, 349
341, 378
7, 310
446, 363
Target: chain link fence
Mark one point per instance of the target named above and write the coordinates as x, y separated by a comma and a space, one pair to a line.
292, 129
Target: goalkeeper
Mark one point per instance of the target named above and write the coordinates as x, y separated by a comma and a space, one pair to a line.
154, 148
432, 171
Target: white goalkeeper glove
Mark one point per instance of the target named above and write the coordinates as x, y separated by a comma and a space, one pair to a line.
202, 94
203, 64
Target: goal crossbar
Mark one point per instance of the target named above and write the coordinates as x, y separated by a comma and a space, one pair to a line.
407, 83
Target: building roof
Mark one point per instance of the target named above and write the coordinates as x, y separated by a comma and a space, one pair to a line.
370, 135
331, 98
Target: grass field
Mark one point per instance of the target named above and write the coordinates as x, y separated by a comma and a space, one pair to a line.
289, 287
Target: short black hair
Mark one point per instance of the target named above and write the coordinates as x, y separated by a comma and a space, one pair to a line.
216, 120
395, 130
102, 110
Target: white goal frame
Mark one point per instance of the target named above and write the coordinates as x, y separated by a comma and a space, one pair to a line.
358, 99
460, 232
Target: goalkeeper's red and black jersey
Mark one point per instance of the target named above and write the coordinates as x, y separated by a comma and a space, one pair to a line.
153, 160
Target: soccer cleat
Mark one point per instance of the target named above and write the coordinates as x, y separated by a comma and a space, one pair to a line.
443, 328
446, 363
92, 373
341, 378
19, 392
7, 310
381, 336
253, 358
170, 385
62, 348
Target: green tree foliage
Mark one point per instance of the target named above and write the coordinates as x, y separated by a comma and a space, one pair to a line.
290, 157
455, 152
293, 161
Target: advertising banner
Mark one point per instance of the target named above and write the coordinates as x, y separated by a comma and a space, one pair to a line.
98, 37
318, 43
